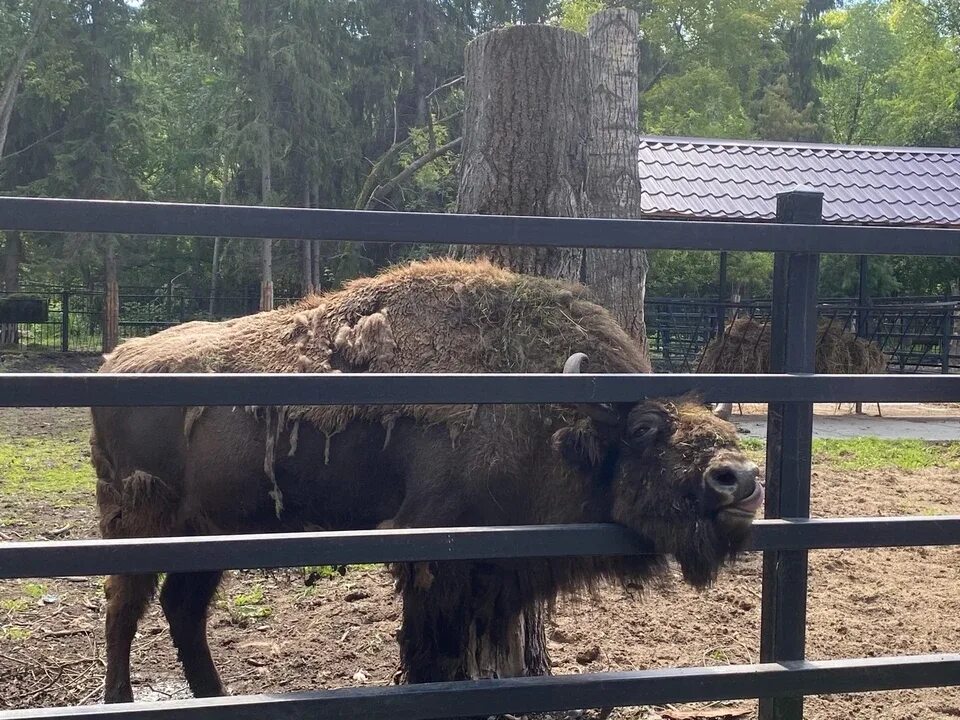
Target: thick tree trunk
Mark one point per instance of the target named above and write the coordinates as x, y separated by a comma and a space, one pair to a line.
111, 297
525, 126
524, 139
13, 253
617, 277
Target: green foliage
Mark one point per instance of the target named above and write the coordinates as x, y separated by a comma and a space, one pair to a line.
701, 102
186, 101
693, 273
33, 590
895, 75
575, 14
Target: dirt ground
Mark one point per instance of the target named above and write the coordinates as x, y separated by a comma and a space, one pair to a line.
272, 631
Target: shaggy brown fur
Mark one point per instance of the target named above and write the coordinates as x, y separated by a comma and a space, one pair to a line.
223, 470
425, 317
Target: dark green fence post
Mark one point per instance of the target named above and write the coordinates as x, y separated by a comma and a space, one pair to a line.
789, 449
65, 321
945, 337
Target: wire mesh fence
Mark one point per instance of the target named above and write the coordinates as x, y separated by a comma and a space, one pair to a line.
916, 334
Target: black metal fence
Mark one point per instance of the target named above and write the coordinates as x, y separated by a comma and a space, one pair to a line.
75, 317
782, 677
916, 334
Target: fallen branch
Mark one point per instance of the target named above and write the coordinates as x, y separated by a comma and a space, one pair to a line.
383, 191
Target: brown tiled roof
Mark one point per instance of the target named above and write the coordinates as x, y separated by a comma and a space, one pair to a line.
741, 179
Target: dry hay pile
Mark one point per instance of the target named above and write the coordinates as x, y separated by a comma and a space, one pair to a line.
424, 317
744, 347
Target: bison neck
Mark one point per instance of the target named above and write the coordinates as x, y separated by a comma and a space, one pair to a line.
469, 621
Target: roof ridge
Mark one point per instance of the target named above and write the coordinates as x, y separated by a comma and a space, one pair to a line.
873, 149
912, 203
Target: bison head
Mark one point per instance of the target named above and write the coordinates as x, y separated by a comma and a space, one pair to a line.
671, 471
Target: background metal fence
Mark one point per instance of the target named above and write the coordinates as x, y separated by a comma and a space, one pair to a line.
916, 334
782, 677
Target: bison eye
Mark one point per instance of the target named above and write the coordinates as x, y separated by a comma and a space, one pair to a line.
645, 428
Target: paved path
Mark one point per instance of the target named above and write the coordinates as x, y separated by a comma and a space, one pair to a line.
847, 426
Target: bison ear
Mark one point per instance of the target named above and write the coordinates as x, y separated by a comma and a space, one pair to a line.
579, 445
647, 423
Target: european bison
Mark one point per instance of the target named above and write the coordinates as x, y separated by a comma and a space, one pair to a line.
668, 470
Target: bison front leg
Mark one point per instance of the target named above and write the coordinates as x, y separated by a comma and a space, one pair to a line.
469, 621
127, 599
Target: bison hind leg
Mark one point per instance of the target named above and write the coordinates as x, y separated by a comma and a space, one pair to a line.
185, 598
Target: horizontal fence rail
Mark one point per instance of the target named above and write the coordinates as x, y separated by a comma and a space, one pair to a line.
780, 683
234, 552
150, 218
543, 694
225, 389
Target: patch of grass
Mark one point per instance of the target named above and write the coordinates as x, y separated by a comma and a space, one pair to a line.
14, 605
871, 453
14, 632
254, 597
719, 655
249, 606
45, 466
34, 590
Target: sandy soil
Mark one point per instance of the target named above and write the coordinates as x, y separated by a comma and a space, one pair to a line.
270, 631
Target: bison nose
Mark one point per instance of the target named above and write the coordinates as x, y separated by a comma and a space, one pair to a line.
732, 483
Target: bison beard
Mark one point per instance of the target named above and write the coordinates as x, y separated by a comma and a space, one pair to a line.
472, 621
670, 471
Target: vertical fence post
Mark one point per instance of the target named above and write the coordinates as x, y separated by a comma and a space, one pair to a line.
723, 298
789, 442
65, 321
945, 337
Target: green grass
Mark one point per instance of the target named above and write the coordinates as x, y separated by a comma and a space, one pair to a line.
14, 632
34, 590
249, 606
870, 453
45, 466
14, 605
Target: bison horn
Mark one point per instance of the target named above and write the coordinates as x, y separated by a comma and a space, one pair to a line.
602, 414
574, 362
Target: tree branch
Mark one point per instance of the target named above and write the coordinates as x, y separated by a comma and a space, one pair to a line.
383, 191
433, 92
12, 82
370, 183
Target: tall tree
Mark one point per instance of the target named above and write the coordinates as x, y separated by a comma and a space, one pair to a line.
806, 44
526, 123
618, 277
